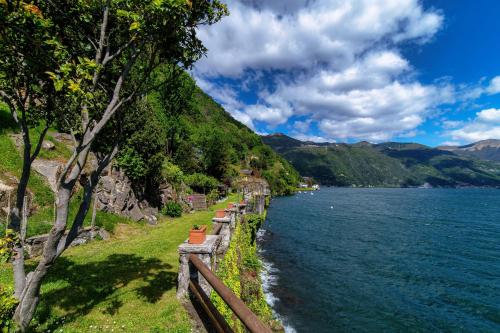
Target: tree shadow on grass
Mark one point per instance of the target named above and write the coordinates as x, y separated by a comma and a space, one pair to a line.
85, 286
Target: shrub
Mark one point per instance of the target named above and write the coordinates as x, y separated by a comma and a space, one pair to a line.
133, 164
172, 209
8, 305
172, 173
212, 197
200, 182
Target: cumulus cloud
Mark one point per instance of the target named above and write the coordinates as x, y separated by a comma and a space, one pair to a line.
485, 126
243, 118
494, 87
489, 116
335, 62
364, 101
322, 31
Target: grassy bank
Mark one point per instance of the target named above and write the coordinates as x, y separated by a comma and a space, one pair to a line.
125, 284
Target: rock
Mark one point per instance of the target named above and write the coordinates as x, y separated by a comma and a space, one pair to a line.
34, 245
48, 145
8, 192
115, 195
63, 138
134, 212
103, 234
49, 169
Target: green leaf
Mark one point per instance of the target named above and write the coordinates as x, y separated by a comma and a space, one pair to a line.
135, 26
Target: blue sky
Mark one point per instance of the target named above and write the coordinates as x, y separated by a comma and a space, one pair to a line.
345, 71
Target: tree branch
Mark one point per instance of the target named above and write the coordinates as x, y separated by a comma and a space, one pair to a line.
11, 103
39, 143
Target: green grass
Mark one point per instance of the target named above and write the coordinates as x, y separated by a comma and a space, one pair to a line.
125, 284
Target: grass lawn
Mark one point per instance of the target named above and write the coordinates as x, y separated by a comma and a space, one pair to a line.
125, 284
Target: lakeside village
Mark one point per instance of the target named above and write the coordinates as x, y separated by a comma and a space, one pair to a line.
308, 184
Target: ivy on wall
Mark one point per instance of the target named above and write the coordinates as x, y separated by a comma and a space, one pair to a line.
239, 270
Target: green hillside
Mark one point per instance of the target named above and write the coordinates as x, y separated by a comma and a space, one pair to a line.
388, 164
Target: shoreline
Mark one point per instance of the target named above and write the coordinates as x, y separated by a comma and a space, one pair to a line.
269, 279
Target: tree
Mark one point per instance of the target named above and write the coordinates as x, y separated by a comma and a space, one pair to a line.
79, 63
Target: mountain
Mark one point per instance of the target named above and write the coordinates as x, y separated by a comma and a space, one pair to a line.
485, 150
390, 164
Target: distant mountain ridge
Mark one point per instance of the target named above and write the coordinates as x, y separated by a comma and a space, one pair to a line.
390, 164
485, 150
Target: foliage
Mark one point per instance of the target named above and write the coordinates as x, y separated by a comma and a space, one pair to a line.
129, 160
172, 173
229, 273
172, 209
201, 182
239, 270
8, 305
213, 196
8, 302
7, 243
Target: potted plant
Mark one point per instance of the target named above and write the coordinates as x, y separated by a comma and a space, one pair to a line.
230, 206
197, 234
220, 214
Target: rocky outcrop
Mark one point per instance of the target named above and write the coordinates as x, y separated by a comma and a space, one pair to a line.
115, 194
48, 145
49, 169
169, 193
8, 192
34, 245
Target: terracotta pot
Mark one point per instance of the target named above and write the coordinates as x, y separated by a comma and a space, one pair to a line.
230, 206
242, 202
220, 213
198, 236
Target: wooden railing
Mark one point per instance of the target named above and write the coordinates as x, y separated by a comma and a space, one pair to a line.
247, 317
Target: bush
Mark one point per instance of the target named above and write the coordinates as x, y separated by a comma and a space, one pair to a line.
8, 305
133, 164
172, 209
201, 183
212, 197
172, 173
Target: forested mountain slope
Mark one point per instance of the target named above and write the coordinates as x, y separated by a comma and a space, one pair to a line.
385, 164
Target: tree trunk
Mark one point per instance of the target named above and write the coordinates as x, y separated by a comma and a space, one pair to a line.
15, 224
57, 241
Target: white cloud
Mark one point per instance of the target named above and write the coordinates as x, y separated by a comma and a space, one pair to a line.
271, 115
364, 101
324, 31
451, 143
494, 87
490, 116
243, 118
485, 126
450, 124
302, 126
335, 62
312, 138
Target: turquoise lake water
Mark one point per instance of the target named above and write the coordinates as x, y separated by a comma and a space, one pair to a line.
384, 260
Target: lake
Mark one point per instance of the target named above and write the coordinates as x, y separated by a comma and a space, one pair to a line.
384, 260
